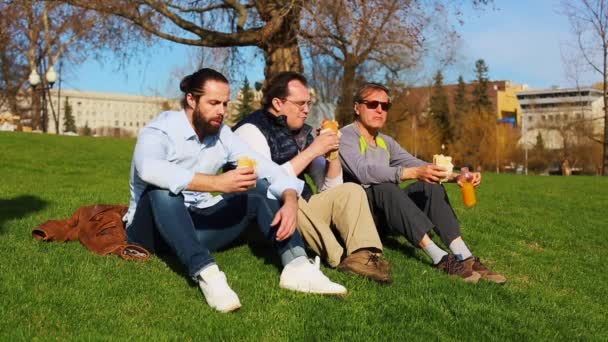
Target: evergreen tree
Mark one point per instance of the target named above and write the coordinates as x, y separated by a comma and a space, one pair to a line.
540, 143
461, 105
461, 108
86, 131
440, 110
69, 125
245, 107
481, 101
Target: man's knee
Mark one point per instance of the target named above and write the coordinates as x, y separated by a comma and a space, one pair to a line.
387, 190
353, 189
436, 190
163, 196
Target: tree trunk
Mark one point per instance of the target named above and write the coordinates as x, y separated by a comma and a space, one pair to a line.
282, 58
605, 149
281, 49
344, 112
605, 95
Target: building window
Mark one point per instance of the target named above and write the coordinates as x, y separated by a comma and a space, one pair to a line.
543, 117
116, 123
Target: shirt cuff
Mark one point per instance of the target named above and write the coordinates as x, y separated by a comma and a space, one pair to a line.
289, 169
276, 189
181, 182
398, 174
332, 182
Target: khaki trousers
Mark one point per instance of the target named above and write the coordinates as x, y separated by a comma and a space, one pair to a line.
337, 222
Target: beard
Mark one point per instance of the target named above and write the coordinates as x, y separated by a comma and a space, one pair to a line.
202, 127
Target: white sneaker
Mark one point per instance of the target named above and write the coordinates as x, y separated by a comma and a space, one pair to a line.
307, 277
217, 293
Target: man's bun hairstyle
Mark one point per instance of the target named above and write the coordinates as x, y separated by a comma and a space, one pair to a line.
195, 83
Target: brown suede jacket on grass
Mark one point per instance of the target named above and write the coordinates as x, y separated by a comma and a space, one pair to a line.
98, 227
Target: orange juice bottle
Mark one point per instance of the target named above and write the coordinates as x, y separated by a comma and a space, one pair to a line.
468, 190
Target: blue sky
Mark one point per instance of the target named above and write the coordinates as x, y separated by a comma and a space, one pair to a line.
521, 41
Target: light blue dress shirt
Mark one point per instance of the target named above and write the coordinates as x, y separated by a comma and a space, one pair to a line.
168, 154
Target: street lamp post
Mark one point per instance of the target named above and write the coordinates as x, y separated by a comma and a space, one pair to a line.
45, 85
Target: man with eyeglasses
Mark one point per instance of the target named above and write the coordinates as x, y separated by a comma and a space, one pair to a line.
380, 164
175, 205
336, 222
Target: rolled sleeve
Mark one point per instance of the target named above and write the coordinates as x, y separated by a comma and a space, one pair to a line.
276, 175
332, 182
152, 165
288, 168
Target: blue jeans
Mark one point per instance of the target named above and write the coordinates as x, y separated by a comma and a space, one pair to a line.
161, 218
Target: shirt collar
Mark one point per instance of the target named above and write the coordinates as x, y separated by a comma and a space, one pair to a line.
184, 126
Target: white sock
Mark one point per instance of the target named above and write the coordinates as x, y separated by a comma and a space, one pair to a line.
434, 252
298, 261
209, 271
460, 249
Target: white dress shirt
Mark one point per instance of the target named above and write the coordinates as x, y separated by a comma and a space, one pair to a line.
168, 154
317, 168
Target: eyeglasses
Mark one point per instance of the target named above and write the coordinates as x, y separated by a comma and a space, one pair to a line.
300, 104
374, 104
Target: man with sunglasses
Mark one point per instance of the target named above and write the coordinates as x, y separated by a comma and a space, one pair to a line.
380, 164
336, 222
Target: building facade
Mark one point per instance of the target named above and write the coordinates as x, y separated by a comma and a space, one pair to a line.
555, 112
107, 113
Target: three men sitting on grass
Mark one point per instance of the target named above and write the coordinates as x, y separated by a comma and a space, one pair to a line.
174, 175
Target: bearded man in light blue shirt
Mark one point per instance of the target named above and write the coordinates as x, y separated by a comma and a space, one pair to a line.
174, 175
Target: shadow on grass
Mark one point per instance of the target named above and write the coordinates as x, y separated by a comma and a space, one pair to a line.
19, 207
406, 249
260, 247
252, 237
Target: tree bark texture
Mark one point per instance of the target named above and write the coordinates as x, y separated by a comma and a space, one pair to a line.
344, 112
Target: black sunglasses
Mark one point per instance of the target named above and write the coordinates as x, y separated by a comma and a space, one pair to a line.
374, 104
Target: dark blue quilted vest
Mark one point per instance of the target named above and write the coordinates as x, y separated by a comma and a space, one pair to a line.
284, 143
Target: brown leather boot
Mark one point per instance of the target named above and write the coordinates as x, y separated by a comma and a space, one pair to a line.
450, 265
367, 264
473, 264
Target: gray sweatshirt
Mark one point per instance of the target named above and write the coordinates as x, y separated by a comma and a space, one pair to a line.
375, 166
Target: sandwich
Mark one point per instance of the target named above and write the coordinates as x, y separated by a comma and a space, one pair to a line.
327, 126
246, 162
445, 162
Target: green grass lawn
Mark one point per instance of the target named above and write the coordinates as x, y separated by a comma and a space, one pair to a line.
547, 235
